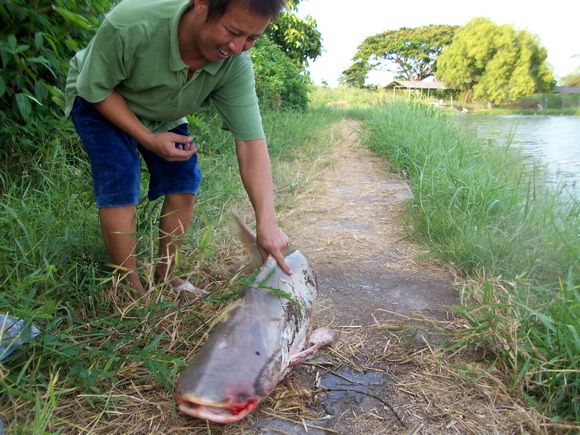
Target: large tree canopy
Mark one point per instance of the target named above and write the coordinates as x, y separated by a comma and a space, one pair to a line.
496, 63
413, 51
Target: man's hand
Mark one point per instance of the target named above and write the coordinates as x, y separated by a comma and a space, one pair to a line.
170, 146
271, 240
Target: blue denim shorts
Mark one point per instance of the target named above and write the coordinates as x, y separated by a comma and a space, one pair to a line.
116, 165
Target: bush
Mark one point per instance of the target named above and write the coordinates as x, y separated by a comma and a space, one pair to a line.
37, 41
280, 82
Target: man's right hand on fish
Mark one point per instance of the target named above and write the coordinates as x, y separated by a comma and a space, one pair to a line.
273, 241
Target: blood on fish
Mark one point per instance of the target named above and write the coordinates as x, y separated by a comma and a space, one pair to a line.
229, 413
249, 406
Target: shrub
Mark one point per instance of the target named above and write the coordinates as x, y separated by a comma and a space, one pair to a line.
280, 82
37, 41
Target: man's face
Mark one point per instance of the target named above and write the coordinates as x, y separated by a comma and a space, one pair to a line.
236, 31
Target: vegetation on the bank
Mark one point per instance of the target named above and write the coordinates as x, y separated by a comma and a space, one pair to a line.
483, 210
496, 63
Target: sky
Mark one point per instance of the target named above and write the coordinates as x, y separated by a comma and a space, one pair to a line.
344, 24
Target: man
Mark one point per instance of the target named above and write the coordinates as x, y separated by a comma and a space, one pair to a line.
151, 63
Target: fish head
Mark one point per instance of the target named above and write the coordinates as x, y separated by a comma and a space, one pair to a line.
230, 375
222, 389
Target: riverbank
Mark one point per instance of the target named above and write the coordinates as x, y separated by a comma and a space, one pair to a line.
572, 111
480, 208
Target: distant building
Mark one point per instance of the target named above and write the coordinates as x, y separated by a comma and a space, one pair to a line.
566, 90
421, 87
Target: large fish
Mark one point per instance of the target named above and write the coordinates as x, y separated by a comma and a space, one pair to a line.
264, 334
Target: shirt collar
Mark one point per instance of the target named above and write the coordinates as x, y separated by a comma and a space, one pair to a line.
175, 61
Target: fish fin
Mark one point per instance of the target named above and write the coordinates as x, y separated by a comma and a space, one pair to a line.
320, 337
249, 240
255, 260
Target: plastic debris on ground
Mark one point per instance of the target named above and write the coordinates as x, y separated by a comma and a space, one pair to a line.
14, 333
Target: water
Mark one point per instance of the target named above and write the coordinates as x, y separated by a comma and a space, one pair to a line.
552, 140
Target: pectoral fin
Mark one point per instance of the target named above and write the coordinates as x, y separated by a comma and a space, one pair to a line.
318, 338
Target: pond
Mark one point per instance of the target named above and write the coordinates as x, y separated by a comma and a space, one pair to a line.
552, 140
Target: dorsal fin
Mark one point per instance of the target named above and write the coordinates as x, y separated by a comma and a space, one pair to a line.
249, 239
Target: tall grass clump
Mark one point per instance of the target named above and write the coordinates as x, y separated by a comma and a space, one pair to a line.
96, 347
485, 209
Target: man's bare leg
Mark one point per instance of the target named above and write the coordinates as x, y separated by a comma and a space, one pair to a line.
119, 231
176, 215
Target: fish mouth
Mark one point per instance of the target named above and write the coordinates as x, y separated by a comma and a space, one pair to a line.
218, 413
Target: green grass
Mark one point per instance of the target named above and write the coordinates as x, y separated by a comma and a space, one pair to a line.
94, 341
480, 208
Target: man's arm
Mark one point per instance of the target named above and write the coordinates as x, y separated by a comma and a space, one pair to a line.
116, 110
256, 173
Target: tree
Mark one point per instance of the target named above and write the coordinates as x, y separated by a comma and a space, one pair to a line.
572, 80
413, 50
495, 63
356, 74
299, 39
280, 82
280, 60
37, 40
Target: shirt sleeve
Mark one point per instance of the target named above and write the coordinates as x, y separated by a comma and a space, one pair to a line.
236, 100
104, 65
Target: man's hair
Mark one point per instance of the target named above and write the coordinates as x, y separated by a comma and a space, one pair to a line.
266, 8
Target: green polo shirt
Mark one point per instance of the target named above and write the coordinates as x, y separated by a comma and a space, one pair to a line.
136, 52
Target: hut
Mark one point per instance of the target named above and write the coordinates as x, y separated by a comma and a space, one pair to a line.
422, 87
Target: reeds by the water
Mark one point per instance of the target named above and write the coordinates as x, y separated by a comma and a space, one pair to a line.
484, 209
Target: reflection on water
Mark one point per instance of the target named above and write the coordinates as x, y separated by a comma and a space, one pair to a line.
553, 140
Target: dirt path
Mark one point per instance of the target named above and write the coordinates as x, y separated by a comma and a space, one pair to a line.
373, 381
355, 238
